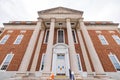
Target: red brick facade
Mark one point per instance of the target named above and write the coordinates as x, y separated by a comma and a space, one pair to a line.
19, 50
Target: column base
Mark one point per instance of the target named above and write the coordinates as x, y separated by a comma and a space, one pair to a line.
101, 76
77, 76
45, 75
90, 74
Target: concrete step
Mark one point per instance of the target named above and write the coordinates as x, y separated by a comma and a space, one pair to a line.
61, 77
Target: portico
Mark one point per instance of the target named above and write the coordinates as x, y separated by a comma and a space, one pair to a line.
61, 56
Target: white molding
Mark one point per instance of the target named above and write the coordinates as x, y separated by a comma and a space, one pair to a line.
5, 60
63, 35
18, 27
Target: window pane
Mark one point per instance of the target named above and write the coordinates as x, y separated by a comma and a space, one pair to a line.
115, 62
78, 60
47, 35
18, 39
102, 39
60, 36
60, 56
74, 36
6, 61
4, 39
43, 58
116, 38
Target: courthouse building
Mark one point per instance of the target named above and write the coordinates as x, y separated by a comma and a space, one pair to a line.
60, 43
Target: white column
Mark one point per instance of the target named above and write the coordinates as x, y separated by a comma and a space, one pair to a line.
54, 63
84, 52
37, 51
73, 58
48, 55
27, 56
93, 54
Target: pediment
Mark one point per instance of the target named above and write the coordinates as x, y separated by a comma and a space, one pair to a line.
60, 10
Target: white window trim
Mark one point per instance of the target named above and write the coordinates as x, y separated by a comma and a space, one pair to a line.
79, 62
17, 39
63, 35
98, 32
9, 31
116, 60
46, 35
43, 58
5, 60
22, 31
5, 36
114, 37
75, 36
103, 37
111, 31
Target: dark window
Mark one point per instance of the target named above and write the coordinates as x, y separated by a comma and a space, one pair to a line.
74, 36
47, 35
60, 36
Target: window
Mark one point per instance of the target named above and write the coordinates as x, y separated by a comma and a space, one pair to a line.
115, 61
6, 61
102, 39
60, 36
60, 56
4, 39
60, 24
18, 39
79, 62
48, 23
46, 36
116, 38
74, 36
72, 24
42, 62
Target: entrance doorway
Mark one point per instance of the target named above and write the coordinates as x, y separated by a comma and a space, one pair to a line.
60, 63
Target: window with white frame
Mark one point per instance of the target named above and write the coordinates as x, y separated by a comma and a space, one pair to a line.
116, 38
60, 35
74, 36
46, 36
42, 62
114, 61
6, 61
4, 39
18, 39
79, 62
102, 39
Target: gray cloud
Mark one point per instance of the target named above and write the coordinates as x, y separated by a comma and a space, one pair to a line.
27, 9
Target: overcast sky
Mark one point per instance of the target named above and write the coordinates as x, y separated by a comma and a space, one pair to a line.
94, 10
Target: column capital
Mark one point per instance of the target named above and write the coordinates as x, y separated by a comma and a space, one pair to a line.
40, 19
81, 19
68, 19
